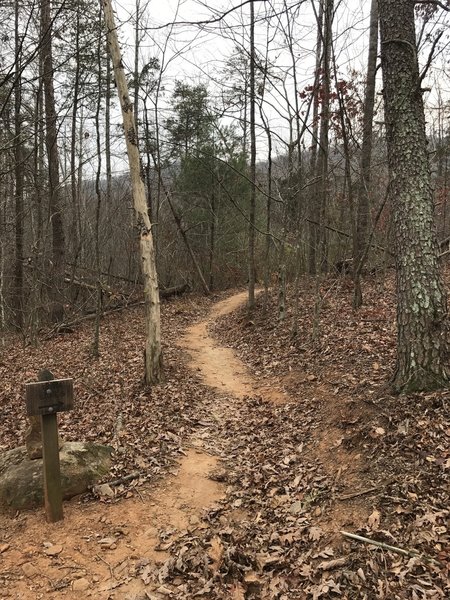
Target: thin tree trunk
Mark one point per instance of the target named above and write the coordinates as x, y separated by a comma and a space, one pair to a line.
212, 228
268, 240
363, 208
422, 319
98, 193
19, 180
322, 159
51, 139
73, 148
108, 194
182, 231
252, 208
313, 207
153, 355
136, 68
348, 184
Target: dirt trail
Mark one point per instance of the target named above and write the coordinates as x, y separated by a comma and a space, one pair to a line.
138, 530
219, 367
98, 546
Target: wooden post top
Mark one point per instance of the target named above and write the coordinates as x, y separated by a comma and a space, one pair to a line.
49, 397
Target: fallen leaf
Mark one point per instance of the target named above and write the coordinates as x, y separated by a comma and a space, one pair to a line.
315, 533
237, 591
215, 553
374, 520
329, 565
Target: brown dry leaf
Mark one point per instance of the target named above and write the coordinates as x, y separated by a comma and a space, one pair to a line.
315, 533
252, 578
263, 559
237, 591
146, 574
215, 553
374, 520
329, 565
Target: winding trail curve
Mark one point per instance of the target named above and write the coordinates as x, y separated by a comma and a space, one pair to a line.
219, 366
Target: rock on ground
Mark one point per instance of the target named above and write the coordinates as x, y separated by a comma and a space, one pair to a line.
21, 483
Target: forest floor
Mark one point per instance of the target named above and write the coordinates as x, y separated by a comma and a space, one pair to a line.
265, 441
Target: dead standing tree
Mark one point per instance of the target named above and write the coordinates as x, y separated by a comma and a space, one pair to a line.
153, 356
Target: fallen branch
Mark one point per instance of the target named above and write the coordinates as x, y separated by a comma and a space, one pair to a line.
67, 327
176, 290
409, 553
356, 494
124, 479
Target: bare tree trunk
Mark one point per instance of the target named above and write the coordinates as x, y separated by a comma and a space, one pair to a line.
51, 139
252, 208
212, 228
98, 193
182, 231
108, 194
19, 179
313, 208
136, 67
73, 149
268, 240
422, 318
322, 159
153, 355
363, 208
347, 154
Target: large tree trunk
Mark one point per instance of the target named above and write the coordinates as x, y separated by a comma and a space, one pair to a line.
51, 140
422, 304
153, 356
363, 209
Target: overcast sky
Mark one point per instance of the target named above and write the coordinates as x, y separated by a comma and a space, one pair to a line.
197, 51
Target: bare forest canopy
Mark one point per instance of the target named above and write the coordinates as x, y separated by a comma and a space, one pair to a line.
252, 120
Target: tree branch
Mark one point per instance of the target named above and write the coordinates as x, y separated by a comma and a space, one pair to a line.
434, 2
430, 56
221, 17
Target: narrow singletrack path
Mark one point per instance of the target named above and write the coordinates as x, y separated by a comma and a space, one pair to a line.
219, 366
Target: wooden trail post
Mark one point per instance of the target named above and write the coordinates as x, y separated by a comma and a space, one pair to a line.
46, 398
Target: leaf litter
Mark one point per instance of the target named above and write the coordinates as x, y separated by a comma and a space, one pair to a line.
340, 453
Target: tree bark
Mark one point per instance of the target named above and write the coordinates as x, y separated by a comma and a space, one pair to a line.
322, 159
313, 206
153, 355
363, 208
75, 208
51, 140
19, 180
422, 322
98, 193
252, 208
